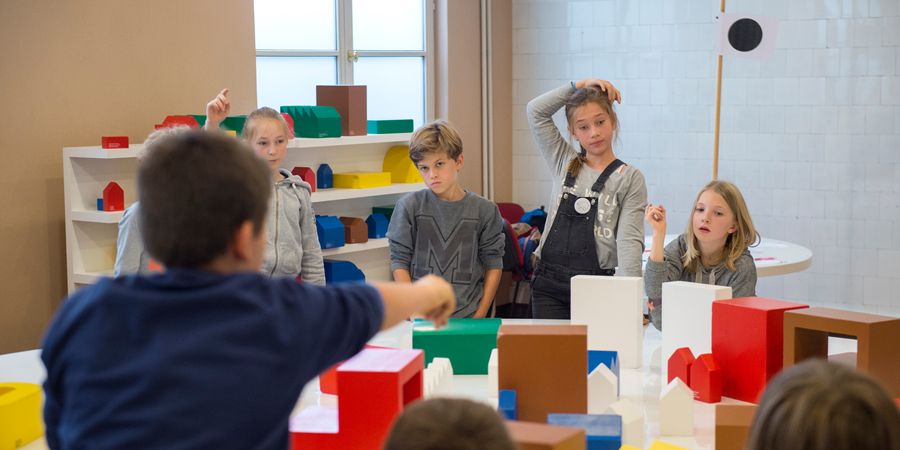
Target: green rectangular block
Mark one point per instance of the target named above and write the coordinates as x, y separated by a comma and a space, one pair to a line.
314, 121
388, 211
467, 342
390, 126
234, 123
200, 118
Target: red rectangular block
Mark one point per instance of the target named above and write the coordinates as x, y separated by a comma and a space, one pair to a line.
748, 343
112, 142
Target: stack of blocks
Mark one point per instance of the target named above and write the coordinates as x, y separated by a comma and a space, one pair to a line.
438, 376
466, 342
21, 419
374, 387
611, 308
546, 366
687, 315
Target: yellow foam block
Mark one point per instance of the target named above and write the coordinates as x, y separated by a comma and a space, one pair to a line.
628, 447
231, 132
20, 414
402, 169
361, 180
660, 445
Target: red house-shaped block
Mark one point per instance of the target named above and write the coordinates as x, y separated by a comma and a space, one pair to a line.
748, 341
706, 379
307, 174
680, 365
373, 388
173, 121
113, 197
290, 122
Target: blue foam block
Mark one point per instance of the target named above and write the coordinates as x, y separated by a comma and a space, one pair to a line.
604, 431
330, 231
507, 404
342, 272
378, 225
610, 358
324, 177
99, 204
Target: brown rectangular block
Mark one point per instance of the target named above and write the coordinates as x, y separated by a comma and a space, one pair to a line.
540, 436
350, 103
356, 231
547, 367
733, 426
806, 334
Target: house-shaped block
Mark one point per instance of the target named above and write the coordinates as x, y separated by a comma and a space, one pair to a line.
706, 379
377, 226
373, 388
307, 175
330, 231
546, 366
355, 230
676, 409
680, 365
466, 342
748, 343
324, 177
113, 197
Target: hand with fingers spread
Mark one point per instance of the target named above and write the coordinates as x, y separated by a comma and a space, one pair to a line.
603, 85
217, 110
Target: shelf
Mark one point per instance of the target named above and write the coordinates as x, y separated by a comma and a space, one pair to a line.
97, 216
101, 153
349, 140
371, 244
330, 195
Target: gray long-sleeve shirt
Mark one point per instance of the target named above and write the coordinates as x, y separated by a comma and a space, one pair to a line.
457, 241
742, 280
130, 254
619, 226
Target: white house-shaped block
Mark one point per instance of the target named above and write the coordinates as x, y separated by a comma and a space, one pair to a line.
676, 409
602, 386
632, 421
687, 316
611, 307
437, 377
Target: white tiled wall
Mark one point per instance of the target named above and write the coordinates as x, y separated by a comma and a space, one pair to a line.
811, 135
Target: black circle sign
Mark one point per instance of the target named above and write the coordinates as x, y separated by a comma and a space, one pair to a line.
745, 35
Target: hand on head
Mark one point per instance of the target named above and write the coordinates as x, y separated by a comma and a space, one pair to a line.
603, 85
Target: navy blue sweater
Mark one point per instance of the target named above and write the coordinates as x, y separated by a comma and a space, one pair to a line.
191, 359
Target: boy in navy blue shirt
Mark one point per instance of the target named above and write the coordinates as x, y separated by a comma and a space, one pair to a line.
209, 354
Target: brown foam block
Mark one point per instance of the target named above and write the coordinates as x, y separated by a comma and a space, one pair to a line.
547, 367
540, 436
355, 230
806, 334
350, 103
733, 426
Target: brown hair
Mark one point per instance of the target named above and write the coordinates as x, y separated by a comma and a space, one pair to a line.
157, 135
449, 424
434, 137
265, 112
195, 190
579, 98
817, 405
744, 235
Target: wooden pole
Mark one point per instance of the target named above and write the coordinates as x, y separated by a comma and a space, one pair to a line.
715, 172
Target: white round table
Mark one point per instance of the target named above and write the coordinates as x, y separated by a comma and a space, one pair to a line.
771, 256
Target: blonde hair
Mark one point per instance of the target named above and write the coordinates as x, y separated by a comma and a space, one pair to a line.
156, 135
434, 137
253, 119
578, 99
744, 235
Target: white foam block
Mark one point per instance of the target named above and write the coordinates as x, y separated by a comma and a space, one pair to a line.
687, 316
632, 421
437, 377
492, 373
602, 386
611, 309
676, 409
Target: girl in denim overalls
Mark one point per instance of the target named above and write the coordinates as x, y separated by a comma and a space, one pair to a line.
595, 223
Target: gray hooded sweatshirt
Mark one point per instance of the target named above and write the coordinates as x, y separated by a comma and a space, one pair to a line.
292, 245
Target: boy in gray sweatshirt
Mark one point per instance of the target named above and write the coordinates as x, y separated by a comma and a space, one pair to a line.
446, 230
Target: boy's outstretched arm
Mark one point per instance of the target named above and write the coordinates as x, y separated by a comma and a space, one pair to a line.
430, 297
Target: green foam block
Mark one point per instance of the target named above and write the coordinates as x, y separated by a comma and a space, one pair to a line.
467, 342
390, 126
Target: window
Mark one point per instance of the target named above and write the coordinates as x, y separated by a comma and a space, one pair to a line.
383, 44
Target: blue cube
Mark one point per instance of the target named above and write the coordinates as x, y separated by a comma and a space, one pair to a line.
378, 225
330, 231
507, 404
342, 272
604, 431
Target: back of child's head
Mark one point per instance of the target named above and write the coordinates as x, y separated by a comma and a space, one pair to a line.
744, 235
449, 424
579, 98
262, 114
157, 135
817, 405
439, 136
196, 189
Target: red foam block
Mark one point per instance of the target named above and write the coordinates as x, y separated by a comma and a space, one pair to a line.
706, 379
113, 197
114, 141
307, 174
680, 365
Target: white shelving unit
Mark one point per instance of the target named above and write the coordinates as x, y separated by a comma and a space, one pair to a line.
91, 234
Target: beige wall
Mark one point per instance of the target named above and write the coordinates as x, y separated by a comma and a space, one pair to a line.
74, 70
501, 93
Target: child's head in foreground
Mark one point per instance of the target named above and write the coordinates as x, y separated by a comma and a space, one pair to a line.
437, 151
203, 202
817, 405
449, 424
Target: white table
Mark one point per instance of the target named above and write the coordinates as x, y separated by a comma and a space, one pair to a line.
771, 256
